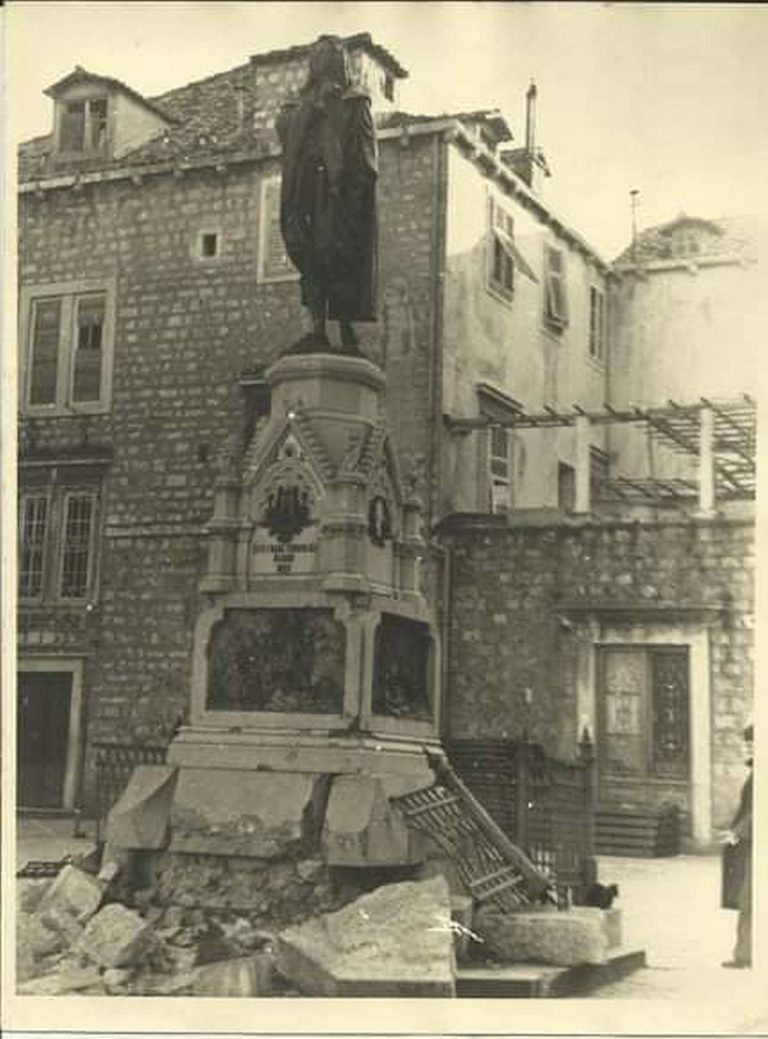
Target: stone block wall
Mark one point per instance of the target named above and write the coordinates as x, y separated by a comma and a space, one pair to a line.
513, 644
185, 331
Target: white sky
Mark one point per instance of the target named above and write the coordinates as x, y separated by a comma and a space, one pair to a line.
669, 99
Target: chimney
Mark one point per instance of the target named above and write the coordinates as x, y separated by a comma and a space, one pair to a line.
530, 119
528, 162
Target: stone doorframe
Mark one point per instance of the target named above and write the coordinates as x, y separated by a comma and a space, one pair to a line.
73, 666
692, 634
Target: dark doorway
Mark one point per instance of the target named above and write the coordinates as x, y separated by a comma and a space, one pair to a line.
43, 735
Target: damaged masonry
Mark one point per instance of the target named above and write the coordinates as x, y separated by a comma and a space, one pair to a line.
359, 638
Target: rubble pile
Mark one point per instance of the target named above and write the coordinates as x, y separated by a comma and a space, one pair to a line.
211, 927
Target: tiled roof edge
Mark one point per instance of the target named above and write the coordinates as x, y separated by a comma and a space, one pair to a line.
362, 40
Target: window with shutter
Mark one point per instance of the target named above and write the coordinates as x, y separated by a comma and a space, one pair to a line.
274, 264
555, 297
596, 323
501, 258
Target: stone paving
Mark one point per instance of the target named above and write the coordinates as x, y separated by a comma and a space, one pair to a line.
671, 908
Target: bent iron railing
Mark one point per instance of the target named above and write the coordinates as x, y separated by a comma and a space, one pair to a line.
545, 806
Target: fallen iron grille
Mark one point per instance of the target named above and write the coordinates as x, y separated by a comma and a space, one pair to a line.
482, 867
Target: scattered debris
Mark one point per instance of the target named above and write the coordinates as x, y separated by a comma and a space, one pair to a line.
118, 937
75, 893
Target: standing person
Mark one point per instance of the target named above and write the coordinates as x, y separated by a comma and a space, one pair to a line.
328, 195
737, 882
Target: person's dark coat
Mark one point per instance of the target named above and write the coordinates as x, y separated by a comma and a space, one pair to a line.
737, 858
327, 205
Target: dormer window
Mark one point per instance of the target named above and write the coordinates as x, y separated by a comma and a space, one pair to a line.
98, 117
83, 125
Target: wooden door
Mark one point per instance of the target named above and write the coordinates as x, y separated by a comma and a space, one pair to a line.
44, 701
643, 712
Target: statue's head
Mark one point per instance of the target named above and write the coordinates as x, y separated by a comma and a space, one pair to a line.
328, 62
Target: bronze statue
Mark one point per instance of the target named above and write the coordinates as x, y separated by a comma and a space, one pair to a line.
328, 197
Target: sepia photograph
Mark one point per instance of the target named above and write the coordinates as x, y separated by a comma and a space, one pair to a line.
380, 406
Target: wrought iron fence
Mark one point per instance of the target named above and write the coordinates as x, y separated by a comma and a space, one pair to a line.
113, 765
545, 806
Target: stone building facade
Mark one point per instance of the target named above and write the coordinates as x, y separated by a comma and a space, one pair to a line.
154, 294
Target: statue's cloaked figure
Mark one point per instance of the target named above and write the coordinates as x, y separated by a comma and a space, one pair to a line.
328, 198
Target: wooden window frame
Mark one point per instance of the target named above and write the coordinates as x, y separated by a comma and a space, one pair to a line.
88, 148
500, 236
61, 548
496, 479
24, 500
264, 275
69, 293
58, 498
553, 319
598, 303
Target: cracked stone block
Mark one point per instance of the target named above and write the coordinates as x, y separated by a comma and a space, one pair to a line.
362, 829
34, 941
139, 819
394, 941
117, 937
73, 892
229, 812
238, 977
59, 983
29, 893
61, 923
542, 935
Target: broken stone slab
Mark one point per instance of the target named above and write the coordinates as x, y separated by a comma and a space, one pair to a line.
118, 937
152, 984
140, 818
116, 979
363, 829
29, 893
391, 942
233, 812
34, 940
235, 978
543, 935
73, 892
61, 923
61, 982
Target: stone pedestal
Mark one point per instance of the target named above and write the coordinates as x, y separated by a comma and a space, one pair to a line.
315, 679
